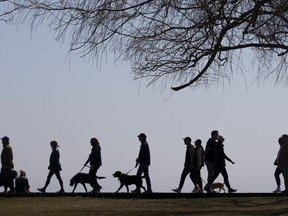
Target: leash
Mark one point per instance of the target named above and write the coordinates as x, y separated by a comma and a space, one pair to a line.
203, 180
130, 170
84, 167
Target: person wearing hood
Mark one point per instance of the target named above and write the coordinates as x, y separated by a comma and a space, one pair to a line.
95, 163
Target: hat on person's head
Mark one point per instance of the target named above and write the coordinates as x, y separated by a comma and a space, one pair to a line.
5, 138
187, 139
198, 141
142, 135
220, 138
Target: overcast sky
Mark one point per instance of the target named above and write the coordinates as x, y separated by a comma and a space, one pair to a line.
46, 96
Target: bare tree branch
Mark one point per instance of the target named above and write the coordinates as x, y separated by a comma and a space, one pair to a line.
177, 42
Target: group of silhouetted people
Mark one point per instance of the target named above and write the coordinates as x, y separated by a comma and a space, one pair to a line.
8, 175
213, 156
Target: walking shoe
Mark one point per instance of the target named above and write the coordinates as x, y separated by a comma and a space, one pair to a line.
96, 189
207, 189
200, 191
11, 192
61, 191
278, 190
195, 190
177, 190
148, 191
231, 190
285, 191
136, 191
42, 190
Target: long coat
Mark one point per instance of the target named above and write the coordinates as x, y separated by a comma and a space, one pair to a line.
7, 157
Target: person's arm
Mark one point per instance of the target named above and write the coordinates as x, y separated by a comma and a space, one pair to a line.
228, 159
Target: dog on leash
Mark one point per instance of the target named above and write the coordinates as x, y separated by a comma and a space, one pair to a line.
4, 183
126, 180
81, 178
218, 185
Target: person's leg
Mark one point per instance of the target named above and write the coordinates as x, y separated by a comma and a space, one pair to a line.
225, 176
140, 170
212, 179
185, 172
285, 175
50, 174
194, 176
147, 178
144, 169
10, 181
277, 173
7, 179
198, 179
210, 169
57, 173
92, 177
226, 180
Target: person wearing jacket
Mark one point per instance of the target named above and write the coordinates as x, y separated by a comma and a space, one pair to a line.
22, 184
187, 164
54, 168
210, 153
278, 171
144, 161
220, 164
7, 163
283, 160
197, 164
95, 163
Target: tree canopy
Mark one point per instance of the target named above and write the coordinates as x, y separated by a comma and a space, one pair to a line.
177, 42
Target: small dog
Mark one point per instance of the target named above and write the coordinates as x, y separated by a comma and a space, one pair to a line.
129, 180
218, 185
81, 178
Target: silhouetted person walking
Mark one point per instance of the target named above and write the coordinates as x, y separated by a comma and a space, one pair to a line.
197, 164
220, 164
22, 184
187, 164
54, 167
210, 153
7, 164
143, 161
283, 160
278, 171
95, 163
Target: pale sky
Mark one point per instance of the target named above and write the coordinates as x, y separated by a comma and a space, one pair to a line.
46, 96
